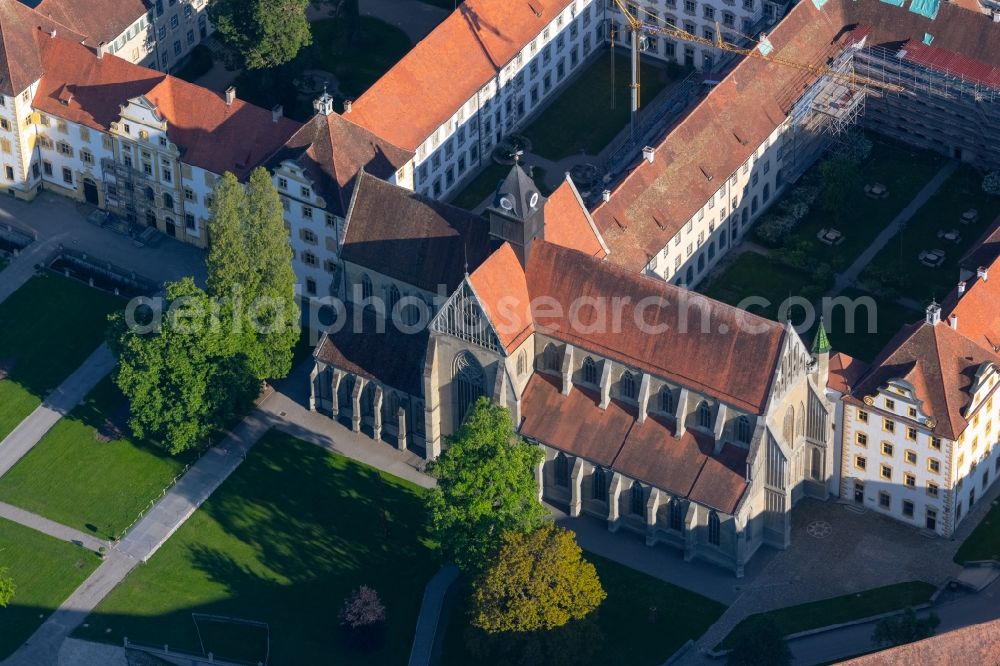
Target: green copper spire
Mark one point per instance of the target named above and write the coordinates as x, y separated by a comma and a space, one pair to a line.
821, 344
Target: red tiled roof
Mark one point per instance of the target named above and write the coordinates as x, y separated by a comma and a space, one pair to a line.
939, 362
20, 60
844, 372
332, 150
568, 223
655, 200
705, 345
646, 451
211, 134
502, 274
978, 316
954, 63
98, 20
978, 644
427, 87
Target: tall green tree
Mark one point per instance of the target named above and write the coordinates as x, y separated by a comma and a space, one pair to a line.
762, 645
266, 33
250, 272
840, 178
485, 488
536, 581
7, 588
184, 381
275, 316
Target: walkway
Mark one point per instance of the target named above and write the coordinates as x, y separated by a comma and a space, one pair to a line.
144, 539
847, 278
56, 405
50, 527
430, 616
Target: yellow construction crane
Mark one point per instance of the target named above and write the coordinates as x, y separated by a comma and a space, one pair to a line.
763, 51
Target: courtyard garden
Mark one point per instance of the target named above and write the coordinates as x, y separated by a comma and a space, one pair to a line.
357, 61
938, 225
820, 227
49, 327
97, 477
641, 623
284, 541
45, 571
590, 112
836, 610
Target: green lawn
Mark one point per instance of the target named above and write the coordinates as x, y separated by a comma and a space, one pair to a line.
45, 571
904, 170
984, 542
581, 117
890, 317
963, 190
93, 486
284, 540
357, 64
641, 623
47, 328
838, 609
752, 275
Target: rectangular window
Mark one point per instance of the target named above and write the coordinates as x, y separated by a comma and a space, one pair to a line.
887, 448
863, 416
885, 472
888, 425
890, 404
934, 465
932, 489
862, 439
910, 457
282, 183
908, 508
911, 434
884, 500
307, 212
936, 443
67, 175
910, 480
861, 462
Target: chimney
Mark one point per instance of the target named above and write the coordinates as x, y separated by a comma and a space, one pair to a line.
953, 321
100, 50
982, 273
277, 112
961, 287
347, 105
933, 315
52, 32
606, 196
230, 95
649, 154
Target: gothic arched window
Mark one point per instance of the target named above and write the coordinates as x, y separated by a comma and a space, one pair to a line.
551, 357
467, 387
676, 515
522, 362
626, 385
714, 529
599, 487
666, 401
562, 470
589, 371
743, 429
704, 415
638, 500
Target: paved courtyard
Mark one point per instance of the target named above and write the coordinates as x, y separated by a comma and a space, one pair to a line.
837, 551
57, 220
